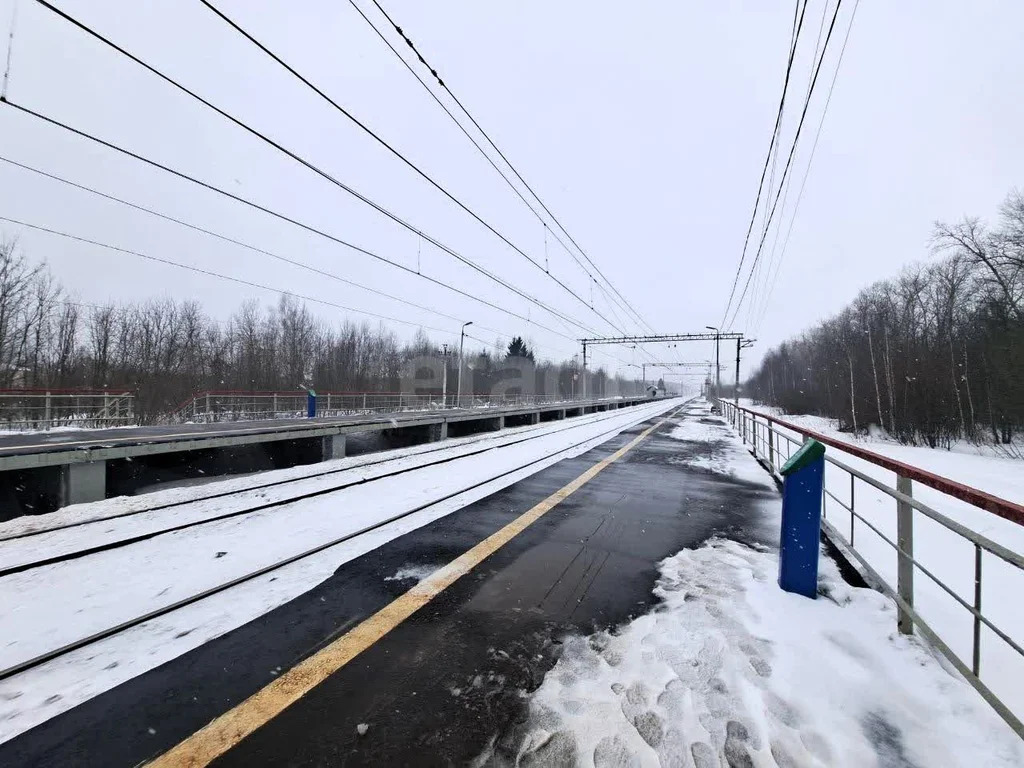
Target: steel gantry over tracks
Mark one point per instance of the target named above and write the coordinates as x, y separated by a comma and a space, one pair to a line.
713, 335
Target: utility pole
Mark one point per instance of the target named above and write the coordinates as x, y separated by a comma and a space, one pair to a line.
462, 344
718, 362
736, 392
740, 343
444, 376
583, 385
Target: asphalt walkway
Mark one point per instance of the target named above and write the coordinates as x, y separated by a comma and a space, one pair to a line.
446, 684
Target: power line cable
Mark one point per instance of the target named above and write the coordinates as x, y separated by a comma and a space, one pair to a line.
807, 170
252, 131
211, 273
789, 159
483, 153
319, 92
233, 241
785, 195
490, 141
767, 160
271, 212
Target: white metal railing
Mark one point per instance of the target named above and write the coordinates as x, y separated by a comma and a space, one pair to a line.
772, 441
43, 409
215, 406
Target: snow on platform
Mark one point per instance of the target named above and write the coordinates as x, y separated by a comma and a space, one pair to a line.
731, 670
730, 666
48, 606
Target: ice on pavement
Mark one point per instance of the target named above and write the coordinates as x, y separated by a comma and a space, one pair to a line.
719, 451
731, 670
415, 573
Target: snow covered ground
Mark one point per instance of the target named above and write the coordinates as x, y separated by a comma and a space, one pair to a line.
46, 607
731, 670
949, 556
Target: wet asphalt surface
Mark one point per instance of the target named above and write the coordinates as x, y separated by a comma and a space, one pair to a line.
449, 683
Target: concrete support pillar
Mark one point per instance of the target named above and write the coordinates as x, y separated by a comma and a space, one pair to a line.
83, 482
334, 447
501, 422
535, 418
561, 414
437, 432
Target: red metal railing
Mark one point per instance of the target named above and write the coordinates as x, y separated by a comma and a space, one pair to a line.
990, 503
766, 435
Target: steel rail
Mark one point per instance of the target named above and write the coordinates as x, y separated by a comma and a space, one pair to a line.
63, 650
118, 543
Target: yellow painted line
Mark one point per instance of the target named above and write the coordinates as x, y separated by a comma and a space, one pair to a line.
223, 733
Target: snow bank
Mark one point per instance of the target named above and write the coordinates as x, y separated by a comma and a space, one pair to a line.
732, 670
946, 554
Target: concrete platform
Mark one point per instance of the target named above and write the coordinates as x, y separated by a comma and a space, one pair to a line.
40, 472
445, 685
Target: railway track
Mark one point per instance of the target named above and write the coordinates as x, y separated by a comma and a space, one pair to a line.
495, 442
65, 648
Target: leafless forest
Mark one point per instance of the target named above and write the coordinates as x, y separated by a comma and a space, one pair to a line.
934, 355
166, 350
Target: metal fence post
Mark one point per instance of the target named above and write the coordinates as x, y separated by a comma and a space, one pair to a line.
976, 656
364, 401
46, 412
771, 445
905, 541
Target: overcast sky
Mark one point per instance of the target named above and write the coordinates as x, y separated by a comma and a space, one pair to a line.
642, 125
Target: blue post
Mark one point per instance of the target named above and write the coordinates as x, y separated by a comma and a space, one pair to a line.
801, 519
310, 403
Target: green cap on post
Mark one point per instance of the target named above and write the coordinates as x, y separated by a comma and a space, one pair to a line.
809, 452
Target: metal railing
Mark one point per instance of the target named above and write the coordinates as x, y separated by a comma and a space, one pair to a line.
228, 405
772, 441
43, 409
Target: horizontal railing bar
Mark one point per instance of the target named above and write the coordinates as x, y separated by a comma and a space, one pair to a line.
970, 608
985, 543
990, 503
986, 693
837, 501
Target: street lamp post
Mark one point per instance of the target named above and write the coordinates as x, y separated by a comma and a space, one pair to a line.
462, 343
718, 368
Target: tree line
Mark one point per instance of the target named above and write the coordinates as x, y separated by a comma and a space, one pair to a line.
166, 350
932, 356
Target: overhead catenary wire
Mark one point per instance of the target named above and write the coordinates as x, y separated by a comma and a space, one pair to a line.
785, 195
276, 214
302, 161
212, 273
628, 307
231, 278
256, 249
366, 129
767, 159
789, 159
240, 243
821, 122
225, 238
